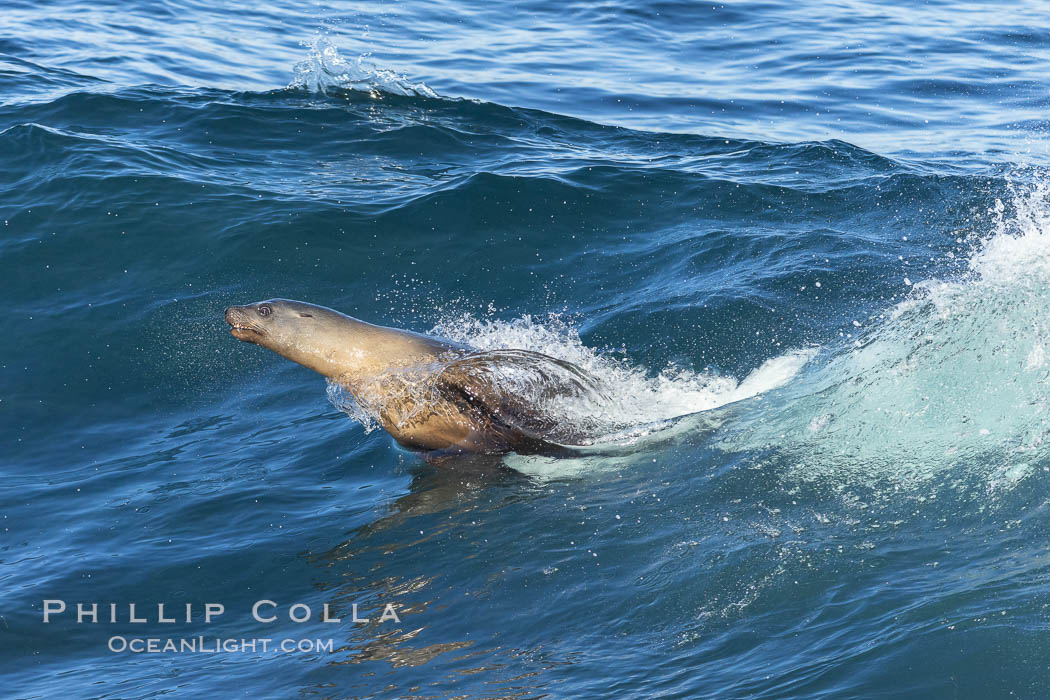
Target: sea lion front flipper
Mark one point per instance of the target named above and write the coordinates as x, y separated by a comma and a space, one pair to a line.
522, 395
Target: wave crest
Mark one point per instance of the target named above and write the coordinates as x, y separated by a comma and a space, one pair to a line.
325, 69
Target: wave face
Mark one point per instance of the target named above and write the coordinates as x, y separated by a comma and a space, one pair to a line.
802, 250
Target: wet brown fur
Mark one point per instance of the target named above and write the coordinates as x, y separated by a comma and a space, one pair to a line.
462, 411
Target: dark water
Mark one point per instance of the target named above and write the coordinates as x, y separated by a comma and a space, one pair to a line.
808, 245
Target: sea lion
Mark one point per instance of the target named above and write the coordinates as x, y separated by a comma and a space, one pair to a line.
432, 395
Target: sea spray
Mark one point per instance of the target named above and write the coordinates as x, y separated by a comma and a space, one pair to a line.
325, 69
953, 381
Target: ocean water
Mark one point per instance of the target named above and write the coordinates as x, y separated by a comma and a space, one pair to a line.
806, 246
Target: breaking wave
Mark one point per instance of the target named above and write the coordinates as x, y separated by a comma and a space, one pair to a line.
952, 381
325, 70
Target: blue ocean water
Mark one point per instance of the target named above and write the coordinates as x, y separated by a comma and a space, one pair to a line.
807, 245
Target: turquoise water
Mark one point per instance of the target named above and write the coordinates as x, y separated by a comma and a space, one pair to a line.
807, 246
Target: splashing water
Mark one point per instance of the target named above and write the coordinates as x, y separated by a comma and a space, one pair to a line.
624, 403
954, 380
636, 397
325, 69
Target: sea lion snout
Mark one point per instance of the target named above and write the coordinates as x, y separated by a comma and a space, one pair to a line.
241, 323
234, 315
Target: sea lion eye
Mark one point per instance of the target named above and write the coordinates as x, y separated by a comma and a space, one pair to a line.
307, 315
265, 310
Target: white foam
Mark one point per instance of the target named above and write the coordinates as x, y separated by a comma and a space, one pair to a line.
1018, 250
325, 69
773, 374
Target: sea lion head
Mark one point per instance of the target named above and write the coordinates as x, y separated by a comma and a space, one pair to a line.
304, 333
325, 340
274, 322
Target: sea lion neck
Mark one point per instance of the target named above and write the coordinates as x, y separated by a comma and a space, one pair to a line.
331, 343
353, 351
